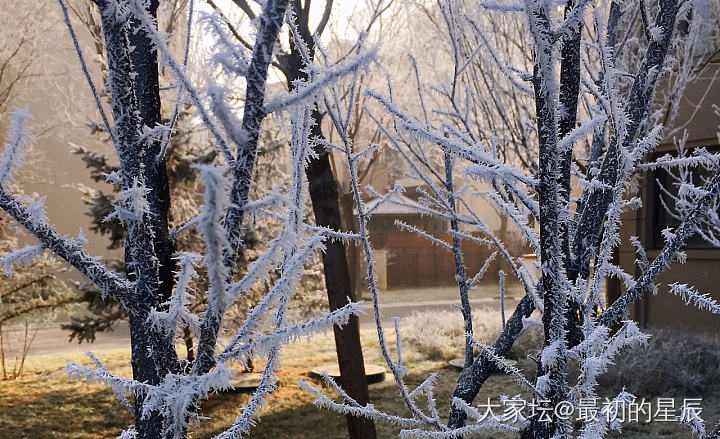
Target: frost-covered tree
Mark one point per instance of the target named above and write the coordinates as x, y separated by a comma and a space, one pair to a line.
577, 53
158, 287
186, 147
611, 57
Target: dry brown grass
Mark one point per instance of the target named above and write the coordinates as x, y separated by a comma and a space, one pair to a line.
46, 404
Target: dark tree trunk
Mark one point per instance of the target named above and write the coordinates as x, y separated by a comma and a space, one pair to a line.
346, 214
147, 92
324, 195
326, 207
569, 93
551, 253
153, 353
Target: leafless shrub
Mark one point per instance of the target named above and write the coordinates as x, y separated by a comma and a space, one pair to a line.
439, 335
674, 363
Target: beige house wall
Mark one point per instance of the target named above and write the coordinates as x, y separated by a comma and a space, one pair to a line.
702, 268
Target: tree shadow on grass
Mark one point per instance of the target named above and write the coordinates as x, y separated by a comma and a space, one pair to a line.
92, 412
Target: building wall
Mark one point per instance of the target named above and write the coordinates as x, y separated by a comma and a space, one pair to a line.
663, 309
414, 262
702, 268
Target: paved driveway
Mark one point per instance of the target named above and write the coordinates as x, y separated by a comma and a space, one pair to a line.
53, 340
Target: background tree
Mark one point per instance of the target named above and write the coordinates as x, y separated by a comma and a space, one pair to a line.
324, 194
22, 33
33, 291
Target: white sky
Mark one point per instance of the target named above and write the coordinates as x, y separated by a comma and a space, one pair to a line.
342, 12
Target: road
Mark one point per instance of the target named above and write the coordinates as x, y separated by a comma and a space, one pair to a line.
53, 340
392, 310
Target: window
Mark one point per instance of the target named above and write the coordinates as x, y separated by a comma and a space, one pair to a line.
662, 187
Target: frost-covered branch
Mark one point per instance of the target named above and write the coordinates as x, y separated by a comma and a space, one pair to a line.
270, 22
690, 296
109, 282
17, 140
